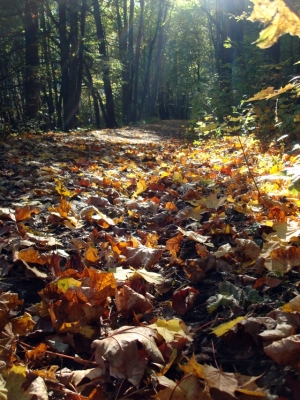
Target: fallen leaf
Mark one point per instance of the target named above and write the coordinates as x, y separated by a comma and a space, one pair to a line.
171, 330
226, 327
120, 350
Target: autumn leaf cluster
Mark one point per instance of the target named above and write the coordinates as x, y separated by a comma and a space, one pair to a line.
151, 263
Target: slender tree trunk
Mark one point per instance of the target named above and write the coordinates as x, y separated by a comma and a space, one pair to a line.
64, 54
110, 105
73, 65
32, 81
136, 62
48, 89
151, 48
158, 63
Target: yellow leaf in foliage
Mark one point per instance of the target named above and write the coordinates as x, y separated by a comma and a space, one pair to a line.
65, 283
25, 212
177, 176
62, 209
30, 255
192, 367
224, 328
15, 380
276, 168
171, 329
91, 254
38, 353
280, 18
62, 190
141, 186
23, 324
253, 393
270, 92
292, 305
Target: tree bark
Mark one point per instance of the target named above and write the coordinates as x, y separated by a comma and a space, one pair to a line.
110, 105
32, 80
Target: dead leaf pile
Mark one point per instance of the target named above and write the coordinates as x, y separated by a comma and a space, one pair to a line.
137, 266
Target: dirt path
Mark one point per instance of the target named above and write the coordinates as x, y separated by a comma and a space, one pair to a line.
144, 133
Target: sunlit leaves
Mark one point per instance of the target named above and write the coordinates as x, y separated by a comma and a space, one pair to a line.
280, 18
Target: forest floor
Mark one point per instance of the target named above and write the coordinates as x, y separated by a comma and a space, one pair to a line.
136, 265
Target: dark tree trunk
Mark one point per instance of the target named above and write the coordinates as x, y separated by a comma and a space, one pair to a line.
151, 48
136, 62
110, 105
158, 64
64, 55
32, 81
48, 86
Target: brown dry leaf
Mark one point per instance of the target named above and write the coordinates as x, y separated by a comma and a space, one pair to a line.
188, 388
120, 349
127, 300
281, 331
280, 18
37, 389
220, 383
11, 300
281, 258
285, 351
3, 315
142, 256
287, 231
195, 236
183, 300
212, 202
248, 248
194, 271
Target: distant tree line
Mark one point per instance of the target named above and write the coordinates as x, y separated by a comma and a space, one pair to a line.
102, 63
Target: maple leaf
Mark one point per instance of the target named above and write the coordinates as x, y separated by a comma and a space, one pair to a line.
142, 256
128, 300
280, 18
285, 351
184, 299
188, 388
120, 350
270, 92
171, 330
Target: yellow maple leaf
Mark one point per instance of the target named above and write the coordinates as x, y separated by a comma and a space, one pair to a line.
280, 18
224, 328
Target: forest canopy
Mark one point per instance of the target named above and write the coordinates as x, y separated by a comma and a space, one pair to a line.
68, 64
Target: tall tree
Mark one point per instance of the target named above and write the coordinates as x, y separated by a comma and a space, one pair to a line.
32, 74
110, 105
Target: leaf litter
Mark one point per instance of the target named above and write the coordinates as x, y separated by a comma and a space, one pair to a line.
135, 265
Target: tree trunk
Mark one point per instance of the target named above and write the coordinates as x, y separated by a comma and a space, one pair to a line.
32, 80
151, 48
136, 62
110, 105
64, 55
